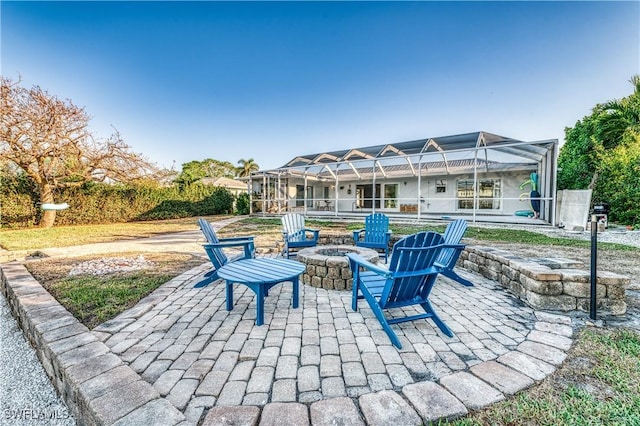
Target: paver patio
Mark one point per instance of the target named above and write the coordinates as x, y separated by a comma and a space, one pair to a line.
198, 355
179, 357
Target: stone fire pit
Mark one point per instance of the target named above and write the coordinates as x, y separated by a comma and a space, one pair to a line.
328, 267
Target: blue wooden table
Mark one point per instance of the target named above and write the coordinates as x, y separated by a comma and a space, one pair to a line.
260, 275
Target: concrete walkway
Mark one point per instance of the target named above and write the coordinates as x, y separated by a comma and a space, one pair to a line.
179, 357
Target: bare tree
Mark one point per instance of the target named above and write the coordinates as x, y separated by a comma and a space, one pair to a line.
49, 140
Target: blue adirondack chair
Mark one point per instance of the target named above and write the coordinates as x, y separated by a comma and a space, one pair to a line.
408, 281
295, 235
375, 235
448, 257
214, 248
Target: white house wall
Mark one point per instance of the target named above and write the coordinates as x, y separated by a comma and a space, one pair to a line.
430, 201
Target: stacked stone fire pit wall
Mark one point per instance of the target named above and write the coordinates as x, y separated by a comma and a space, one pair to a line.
331, 272
544, 287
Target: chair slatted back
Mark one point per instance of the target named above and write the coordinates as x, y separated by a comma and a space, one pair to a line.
216, 255
376, 226
412, 255
452, 235
293, 225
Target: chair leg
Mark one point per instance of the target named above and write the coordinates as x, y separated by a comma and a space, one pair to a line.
209, 277
441, 325
450, 273
229, 285
354, 295
377, 311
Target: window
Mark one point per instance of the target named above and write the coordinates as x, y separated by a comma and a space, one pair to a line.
309, 196
489, 194
391, 196
441, 186
300, 196
365, 196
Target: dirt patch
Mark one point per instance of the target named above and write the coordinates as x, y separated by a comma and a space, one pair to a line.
620, 262
48, 270
97, 288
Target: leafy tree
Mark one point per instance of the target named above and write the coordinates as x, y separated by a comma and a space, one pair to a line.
620, 182
246, 167
602, 152
193, 171
216, 168
578, 160
48, 139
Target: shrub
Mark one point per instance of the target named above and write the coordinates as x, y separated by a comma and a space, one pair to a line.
94, 203
242, 204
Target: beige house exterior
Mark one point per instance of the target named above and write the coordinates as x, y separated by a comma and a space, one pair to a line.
236, 187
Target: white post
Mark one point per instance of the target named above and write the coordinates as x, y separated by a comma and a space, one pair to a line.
279, 190
420, 185
305, 193
336, 193
373, 202
250, 190
264, 190
475, 182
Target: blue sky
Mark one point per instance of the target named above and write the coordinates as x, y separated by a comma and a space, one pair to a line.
185, 81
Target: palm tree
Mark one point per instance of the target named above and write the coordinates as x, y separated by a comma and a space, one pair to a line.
621, 117
246, 167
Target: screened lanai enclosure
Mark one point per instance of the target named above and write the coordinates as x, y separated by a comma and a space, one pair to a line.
478, 176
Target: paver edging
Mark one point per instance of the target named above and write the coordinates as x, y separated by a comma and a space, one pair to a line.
41, 316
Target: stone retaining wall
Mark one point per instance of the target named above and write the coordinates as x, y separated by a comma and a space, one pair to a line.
81, 368
545, 284
548, 284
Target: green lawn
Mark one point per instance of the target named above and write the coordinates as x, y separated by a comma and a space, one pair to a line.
599, 384
64, 236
